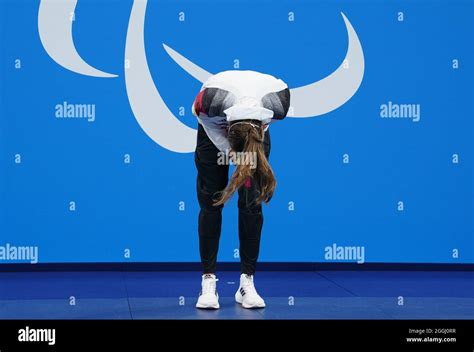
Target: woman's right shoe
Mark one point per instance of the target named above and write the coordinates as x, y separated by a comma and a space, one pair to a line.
208, 297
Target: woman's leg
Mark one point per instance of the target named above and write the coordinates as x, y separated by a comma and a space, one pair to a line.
251, 220
211, 178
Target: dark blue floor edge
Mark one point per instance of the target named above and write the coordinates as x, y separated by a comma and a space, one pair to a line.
232, 266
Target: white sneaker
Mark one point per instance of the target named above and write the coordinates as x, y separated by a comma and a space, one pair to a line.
208, 297
246, 295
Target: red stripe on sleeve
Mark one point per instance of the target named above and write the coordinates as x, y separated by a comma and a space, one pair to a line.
198, 103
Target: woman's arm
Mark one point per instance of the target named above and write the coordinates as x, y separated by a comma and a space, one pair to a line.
212, 102
278, 102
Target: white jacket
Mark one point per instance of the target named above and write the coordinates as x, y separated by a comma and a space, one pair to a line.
239, 95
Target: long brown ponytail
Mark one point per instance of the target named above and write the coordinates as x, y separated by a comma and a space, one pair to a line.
248, 137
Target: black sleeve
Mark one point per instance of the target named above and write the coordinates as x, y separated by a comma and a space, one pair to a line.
215, 100
278, 102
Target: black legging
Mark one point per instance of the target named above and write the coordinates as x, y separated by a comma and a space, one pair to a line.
212, 178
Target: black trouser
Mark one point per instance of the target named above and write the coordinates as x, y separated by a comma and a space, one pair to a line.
212, 178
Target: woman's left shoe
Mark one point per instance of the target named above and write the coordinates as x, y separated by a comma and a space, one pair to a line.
247, 295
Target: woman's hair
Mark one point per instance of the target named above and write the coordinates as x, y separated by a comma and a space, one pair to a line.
246, 140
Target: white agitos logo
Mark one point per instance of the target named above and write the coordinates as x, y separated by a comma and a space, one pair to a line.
151, 112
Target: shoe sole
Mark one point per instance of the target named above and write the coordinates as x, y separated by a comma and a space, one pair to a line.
212, 306
202, 306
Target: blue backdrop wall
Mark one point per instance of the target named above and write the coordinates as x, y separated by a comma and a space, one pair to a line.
98, 188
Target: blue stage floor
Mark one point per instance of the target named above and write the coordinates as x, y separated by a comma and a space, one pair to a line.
289, 295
